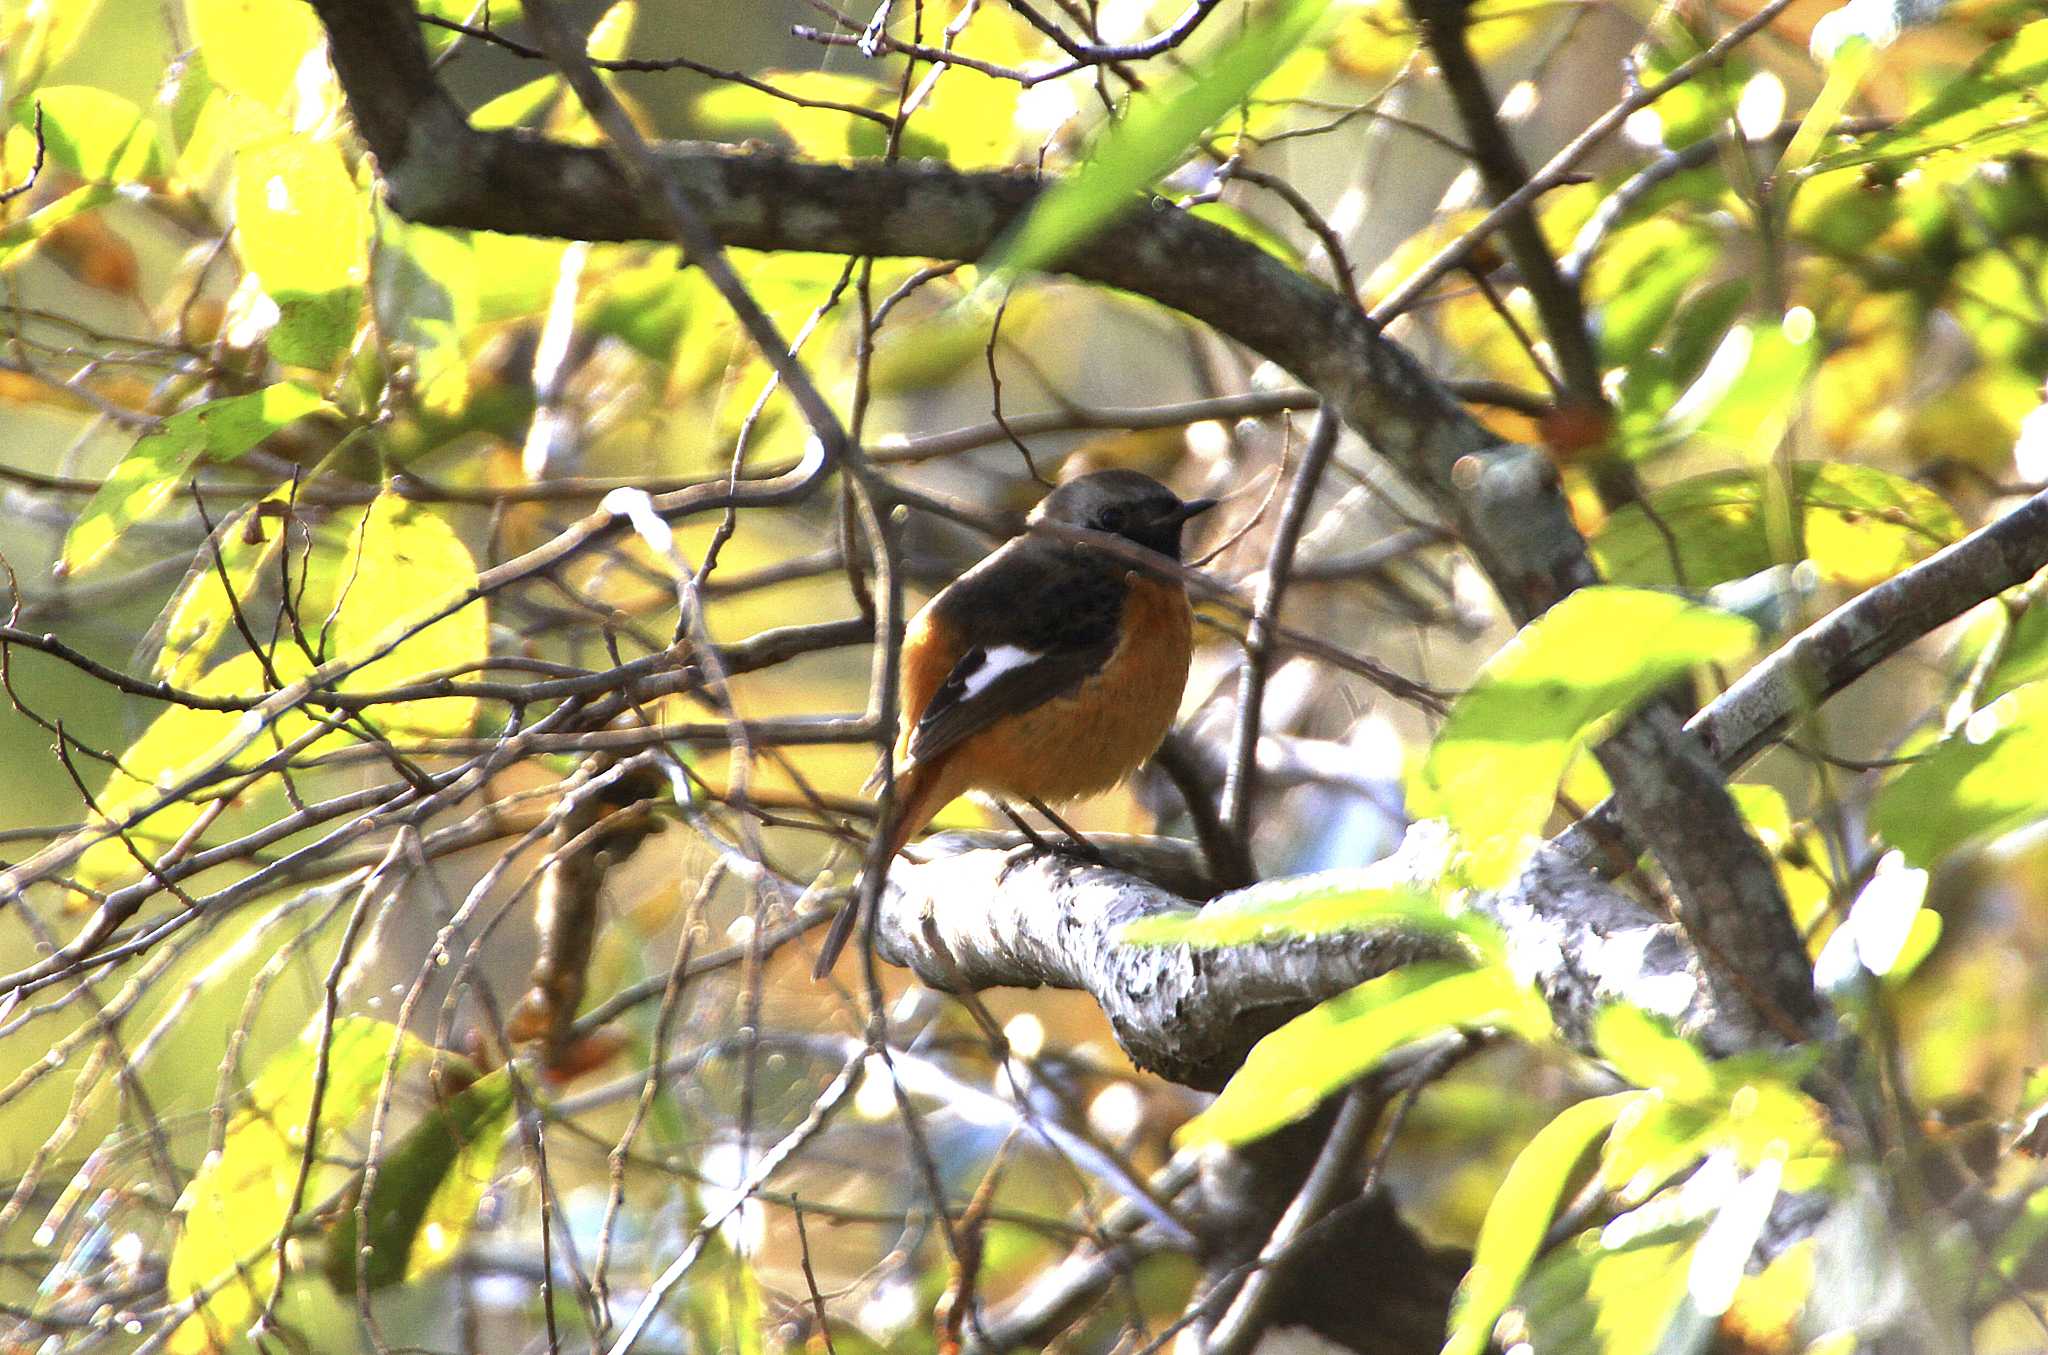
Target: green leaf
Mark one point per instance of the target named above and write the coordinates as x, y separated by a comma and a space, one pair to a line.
613, 30
1862, 525
1982, 782
739, 112
202, 612
53, 31
1749, 415
1494, 768
1641, 277
369, 580
254, 47
425, 1195
2024, 656
299, 226
1323, 1050
517, 105
99, 136
1156, 135
426, 301
181, 743
1992, 109
1646, 1052
405, 565
1300, 906
1624, 1297
144, 480
1251, 228
240, 1200
1519, 1216
501, 13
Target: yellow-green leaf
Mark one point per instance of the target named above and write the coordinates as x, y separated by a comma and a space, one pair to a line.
1519, 1216
300, 228
1163, 125
179, 744
1494, 768
203, 610
1862, 525
1981, 782
1646, 1052
1992, 109
404, 565
97, 135
1308, 905
426, 1191
240, 1200
613, 30
144, 480
1323, 1050
254, 47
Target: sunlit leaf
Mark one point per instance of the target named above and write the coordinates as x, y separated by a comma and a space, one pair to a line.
2023, 652
180, 744
500, 14
1520, 1215
612, 31
1982, 782
1862, 526
241, 1199
1494, 768
1647, 1053
254, 47
1250, 227
49, 33
1289, 1072
426, 303
406, 564
299, 226
1308, 905
97, 135
144, 480
1749, 415
368, 582
1613, 1293
1992, 109
202, 612
1152, 139
739, 112
517, 105
1640, 278
425, 1195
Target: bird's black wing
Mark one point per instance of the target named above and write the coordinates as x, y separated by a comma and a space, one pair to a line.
1036, 618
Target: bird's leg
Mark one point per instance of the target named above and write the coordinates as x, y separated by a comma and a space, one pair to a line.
1038, 844
1081, 846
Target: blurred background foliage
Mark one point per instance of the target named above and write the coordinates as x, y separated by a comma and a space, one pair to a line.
254, 422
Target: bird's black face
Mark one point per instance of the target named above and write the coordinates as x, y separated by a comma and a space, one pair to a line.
1124, 503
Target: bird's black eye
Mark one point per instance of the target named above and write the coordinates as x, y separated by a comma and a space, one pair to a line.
1111, 519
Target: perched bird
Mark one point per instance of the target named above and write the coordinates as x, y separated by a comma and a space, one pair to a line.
1048, 671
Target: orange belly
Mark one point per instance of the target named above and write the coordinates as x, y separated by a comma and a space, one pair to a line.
1099, 733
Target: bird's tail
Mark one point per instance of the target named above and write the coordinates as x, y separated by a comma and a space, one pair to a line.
919, 795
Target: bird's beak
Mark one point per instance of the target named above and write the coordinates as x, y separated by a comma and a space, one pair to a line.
1193, 507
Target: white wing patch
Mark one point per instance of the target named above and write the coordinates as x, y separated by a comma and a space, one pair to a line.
996, 661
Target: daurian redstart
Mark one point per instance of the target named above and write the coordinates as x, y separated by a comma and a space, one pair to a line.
1049, 671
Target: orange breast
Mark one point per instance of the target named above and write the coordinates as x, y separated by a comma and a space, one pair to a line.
1101, 732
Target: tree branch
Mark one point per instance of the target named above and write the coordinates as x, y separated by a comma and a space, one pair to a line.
982, 917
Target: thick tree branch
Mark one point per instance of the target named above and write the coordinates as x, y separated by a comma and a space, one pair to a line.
986, 918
